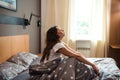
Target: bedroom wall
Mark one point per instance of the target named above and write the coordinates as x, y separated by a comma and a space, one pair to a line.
114, 48
32, 30
115, 22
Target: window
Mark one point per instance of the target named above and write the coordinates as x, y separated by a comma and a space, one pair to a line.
80, 19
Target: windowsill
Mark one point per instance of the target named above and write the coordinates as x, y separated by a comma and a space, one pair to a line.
84, 39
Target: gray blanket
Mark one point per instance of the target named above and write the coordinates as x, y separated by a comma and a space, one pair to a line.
66, 69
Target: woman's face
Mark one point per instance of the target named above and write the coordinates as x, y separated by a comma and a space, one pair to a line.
60, 32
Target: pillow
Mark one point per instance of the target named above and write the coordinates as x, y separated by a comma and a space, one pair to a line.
36, 61
23, 59
10, 70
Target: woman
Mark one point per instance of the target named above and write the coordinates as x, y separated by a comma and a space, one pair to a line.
72, 68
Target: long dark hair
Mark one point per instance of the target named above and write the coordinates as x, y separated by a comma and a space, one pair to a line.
51, 39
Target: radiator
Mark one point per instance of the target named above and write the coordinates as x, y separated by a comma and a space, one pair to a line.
84, 51
83, 46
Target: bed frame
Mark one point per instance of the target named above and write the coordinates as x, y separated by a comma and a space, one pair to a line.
11, 45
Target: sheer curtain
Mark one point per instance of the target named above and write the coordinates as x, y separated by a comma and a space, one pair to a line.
54, 12
100, 23
99, 26
59, 12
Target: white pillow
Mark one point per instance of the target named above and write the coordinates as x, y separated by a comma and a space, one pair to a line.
23, 59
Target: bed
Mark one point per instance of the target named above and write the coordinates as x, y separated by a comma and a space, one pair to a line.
108, 68
15, 60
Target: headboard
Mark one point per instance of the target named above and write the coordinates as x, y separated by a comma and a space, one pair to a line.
11, 45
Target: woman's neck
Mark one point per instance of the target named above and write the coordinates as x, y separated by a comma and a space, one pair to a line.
60, 39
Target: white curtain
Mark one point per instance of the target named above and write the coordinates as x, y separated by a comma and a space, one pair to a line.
100, 23
54, 12
58, 12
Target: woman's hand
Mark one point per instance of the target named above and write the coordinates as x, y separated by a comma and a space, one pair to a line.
96, 69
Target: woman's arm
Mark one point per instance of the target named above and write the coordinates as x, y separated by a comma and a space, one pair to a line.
72, 53
77, 55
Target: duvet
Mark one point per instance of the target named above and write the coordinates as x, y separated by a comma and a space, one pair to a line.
72, 69
66, 69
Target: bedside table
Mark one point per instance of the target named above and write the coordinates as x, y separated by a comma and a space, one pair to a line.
114, 52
